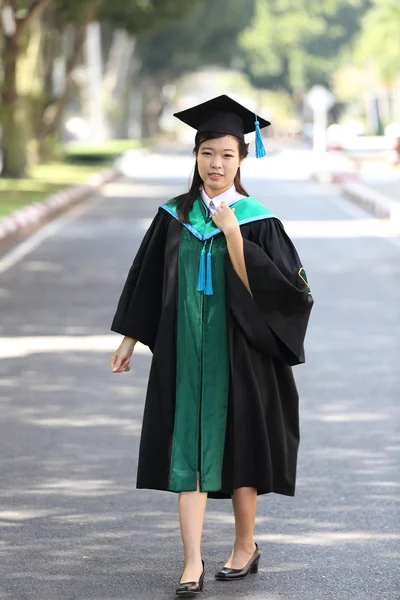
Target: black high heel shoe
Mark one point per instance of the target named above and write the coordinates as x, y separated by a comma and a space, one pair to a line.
227, 574
191, 589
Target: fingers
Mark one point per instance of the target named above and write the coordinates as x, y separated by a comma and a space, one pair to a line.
119, 365
121, 369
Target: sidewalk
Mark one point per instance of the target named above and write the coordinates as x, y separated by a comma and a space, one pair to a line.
372, 184
391, 189
382, 177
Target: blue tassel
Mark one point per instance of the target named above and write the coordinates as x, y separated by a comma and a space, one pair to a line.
208, 290
260, 148
202, 270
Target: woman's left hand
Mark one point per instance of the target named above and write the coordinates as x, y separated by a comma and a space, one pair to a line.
225, 220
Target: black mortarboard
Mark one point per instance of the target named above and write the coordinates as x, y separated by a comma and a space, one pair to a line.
224, 115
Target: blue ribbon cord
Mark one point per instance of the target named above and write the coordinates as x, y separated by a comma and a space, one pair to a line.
202, 270
260, 148
208, 290
204, 281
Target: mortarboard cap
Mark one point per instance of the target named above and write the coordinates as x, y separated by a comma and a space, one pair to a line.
226, 116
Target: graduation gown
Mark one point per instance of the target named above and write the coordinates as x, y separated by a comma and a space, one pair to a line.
221, 402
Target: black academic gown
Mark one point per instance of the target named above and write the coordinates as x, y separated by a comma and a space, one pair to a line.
266, 334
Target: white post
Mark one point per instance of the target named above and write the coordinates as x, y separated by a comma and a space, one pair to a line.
319, 131
320, 100
94, 83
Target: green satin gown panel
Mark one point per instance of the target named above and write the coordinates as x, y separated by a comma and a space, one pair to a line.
202, 378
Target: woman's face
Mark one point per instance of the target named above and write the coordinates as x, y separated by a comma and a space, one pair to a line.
218, 161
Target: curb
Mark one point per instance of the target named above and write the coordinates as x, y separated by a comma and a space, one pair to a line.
36, 213
379, 204
341, 171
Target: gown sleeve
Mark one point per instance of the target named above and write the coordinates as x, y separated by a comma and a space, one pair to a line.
139, 307
274, 318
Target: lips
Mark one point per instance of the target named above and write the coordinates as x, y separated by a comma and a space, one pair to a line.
215, 175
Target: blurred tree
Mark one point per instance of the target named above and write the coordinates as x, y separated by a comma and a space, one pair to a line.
379, 42
208, 35
279, 44
16, 19
378, 51
63, 37
294, 44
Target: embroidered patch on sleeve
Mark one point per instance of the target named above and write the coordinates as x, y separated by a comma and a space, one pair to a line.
303, 275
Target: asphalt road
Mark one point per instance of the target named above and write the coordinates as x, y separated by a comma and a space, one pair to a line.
74, 527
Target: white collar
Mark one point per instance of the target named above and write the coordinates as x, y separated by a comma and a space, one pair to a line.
229, 196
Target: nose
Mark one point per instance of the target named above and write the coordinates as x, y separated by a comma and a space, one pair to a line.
216, 162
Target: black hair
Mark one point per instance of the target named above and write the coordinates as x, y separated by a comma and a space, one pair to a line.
185, 201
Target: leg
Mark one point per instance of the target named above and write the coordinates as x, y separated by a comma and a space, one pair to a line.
244, 502
192, 507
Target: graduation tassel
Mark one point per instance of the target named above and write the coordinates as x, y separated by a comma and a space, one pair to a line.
208, 290
260, 148
202, 270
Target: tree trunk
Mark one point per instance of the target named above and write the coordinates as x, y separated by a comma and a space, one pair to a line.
53, 113
152, 108
14, 133
13, 140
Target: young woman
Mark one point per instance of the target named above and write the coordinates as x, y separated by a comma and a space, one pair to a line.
218, 293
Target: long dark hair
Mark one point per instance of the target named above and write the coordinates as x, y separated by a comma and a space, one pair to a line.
185, 202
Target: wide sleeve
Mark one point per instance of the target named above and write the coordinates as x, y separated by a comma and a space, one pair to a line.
274, 318
139, 307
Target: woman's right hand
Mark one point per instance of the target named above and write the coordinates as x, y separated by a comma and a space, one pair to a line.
120, 360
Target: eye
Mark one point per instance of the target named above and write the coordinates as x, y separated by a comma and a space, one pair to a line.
205, 153
228, 156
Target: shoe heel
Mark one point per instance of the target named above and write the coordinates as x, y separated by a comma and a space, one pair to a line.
254, 568
201, 580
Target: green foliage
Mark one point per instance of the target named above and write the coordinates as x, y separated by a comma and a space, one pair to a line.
75, 11
379, 42
278, 44
206, 36
136, 16
293, 44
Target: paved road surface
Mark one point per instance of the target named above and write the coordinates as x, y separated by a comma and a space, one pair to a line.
72, 524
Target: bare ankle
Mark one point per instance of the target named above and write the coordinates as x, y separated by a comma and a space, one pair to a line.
247, 545
192, 561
